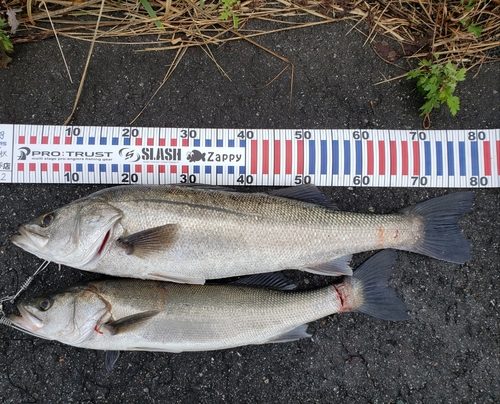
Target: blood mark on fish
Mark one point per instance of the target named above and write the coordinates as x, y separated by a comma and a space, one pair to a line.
380, 236
343, 294
396, 234
106, 238
98, 330
339, 294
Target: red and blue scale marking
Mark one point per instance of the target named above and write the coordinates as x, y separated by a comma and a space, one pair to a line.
272, 155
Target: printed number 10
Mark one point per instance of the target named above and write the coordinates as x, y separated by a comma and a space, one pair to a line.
72, 177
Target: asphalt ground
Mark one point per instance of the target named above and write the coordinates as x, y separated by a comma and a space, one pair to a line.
448, 352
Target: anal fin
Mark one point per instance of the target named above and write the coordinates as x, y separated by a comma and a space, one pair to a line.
338, 267
149, 241
292, 335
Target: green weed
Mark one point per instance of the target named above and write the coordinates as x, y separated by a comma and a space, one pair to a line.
152, 14
227, 11
5, 46
466, 22
437, 83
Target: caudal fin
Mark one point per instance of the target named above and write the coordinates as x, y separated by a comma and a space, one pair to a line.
376, 298
443, 239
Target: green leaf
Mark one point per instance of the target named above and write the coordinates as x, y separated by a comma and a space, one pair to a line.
476, 29
430, 88
437, 83
4, 59
6, 43
413, 74
453, 103
152, 14
461, 74
427, 107
470, 5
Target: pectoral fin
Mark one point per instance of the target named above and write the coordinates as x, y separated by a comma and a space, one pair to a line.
129, 323
149, 241
292, 335
337, 267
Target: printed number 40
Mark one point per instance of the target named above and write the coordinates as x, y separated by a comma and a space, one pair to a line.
245, 179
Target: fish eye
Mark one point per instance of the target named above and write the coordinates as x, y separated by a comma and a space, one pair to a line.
44, 304
47, 219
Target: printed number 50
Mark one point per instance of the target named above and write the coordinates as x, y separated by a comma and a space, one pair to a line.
299, 179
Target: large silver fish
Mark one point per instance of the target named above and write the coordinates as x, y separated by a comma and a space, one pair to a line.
190, 234
126, 314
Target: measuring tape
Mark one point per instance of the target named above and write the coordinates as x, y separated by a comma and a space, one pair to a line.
265, 157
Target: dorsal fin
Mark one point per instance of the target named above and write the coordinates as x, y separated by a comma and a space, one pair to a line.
305, 193
272, 280
207, 187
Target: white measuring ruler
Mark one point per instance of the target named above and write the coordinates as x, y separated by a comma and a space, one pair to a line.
265, 157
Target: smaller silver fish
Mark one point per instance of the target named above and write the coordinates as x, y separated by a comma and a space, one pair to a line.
138, 315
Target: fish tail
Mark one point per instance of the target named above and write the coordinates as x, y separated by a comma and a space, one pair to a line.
443, 239
367, 291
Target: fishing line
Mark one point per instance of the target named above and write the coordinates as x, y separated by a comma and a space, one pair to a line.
23, 287
4, 320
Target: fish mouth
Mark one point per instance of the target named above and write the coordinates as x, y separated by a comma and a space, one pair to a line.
29, 240
37, 244
27, 321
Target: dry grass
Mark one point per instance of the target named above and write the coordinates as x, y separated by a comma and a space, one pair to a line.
462, 31
420, 27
